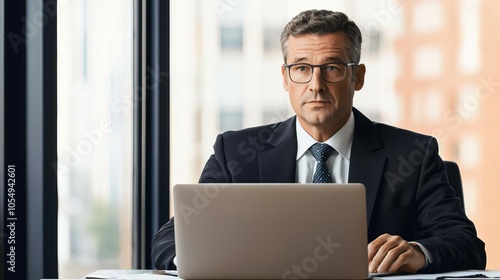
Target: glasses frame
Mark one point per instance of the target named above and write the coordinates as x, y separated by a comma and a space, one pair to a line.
320, 66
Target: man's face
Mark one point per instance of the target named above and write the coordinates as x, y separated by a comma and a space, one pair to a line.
320, 105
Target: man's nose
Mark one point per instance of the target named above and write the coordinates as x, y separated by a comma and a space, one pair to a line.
317, 83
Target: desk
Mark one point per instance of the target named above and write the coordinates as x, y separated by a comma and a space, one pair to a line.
160, 274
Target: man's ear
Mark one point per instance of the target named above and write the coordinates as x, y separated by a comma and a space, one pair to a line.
285, 77
359, 77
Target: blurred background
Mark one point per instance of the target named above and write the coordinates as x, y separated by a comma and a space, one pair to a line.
431, 67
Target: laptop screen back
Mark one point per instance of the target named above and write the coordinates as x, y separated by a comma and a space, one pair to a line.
271, 231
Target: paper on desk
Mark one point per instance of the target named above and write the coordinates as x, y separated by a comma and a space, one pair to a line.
133, 274
489, 273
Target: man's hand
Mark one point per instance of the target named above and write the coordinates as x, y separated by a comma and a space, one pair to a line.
391, 253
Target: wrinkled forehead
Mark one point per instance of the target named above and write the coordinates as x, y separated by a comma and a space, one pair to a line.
331, 47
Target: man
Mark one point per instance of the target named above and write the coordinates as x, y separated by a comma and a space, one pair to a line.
415, 221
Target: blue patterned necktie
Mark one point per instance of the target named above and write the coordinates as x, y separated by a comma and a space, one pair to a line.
321, 152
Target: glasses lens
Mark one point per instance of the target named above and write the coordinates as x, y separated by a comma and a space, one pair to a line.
333, 72
300, 73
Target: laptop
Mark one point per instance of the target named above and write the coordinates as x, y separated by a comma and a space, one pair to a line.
271, 231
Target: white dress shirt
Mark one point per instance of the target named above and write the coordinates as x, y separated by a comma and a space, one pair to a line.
338, 163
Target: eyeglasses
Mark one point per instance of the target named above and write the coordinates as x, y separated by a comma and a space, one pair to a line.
333, 72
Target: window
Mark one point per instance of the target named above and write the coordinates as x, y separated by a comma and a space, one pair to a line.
94, 136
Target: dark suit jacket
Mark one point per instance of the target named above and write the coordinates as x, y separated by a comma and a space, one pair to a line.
407, 190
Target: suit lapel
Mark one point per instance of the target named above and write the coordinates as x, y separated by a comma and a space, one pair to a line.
366, 166
278, 164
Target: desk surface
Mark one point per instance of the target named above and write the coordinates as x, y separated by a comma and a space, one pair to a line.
161, 274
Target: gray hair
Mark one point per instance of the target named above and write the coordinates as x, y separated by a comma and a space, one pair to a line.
321, 22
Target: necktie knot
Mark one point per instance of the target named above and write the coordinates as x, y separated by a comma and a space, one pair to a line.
321, 151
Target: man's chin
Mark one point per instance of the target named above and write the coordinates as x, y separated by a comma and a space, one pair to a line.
319, 120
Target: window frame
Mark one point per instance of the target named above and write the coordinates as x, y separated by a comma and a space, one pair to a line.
151, 127
29, 138
29, 126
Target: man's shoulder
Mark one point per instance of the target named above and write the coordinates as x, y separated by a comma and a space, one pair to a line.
401, 141
261, 131
367, 128
395, 131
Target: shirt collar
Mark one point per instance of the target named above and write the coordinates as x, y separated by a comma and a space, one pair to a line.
340, 141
